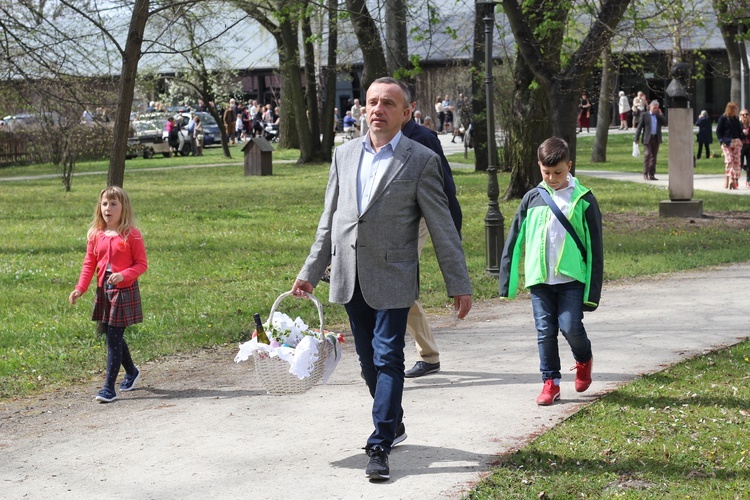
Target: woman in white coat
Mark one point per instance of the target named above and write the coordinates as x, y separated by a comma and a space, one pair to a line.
624, 105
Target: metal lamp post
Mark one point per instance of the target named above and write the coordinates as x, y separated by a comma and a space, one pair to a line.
493, 221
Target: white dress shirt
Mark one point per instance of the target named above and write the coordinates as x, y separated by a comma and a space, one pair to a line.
372, 165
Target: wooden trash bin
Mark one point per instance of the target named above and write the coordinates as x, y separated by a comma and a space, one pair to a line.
258, 160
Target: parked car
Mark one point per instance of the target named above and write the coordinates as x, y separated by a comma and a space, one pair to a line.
146, 139
30, 120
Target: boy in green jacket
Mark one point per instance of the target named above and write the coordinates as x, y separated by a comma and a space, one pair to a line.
564, 279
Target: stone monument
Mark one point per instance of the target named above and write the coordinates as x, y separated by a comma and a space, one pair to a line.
681, 159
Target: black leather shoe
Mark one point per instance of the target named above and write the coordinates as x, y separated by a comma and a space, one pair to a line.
421, 369
652, 178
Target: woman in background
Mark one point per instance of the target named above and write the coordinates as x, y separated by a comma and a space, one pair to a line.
729, 133
705, 137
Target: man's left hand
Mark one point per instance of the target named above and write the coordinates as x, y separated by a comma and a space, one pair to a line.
462, 304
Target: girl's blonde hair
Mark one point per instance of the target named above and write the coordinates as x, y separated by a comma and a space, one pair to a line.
127, 218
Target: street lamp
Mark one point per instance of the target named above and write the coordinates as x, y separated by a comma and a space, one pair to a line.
493, 221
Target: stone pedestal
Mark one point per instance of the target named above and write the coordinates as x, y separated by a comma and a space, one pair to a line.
681, 154
685, 208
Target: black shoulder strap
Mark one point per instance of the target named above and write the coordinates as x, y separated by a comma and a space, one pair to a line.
563, 220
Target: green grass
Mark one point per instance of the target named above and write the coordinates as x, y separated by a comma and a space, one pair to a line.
679, 433
620, 157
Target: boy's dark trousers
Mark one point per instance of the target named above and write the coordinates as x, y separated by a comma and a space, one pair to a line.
559, 308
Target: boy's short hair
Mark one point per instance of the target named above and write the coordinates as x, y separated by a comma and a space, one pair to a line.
553, 151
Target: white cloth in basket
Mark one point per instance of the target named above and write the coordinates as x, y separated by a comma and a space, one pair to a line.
302, 358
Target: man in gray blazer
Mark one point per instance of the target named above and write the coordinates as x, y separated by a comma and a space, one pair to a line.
649, 127
378, 189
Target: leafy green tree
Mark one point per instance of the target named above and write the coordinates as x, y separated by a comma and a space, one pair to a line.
734, 22
285, 19
200, 68
78, 38
559, 63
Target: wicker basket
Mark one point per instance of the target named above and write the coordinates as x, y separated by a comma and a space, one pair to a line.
273, 372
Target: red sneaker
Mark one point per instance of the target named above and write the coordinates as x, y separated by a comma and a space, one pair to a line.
550, 393
583, 374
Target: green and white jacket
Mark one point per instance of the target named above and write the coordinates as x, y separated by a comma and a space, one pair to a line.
529, 229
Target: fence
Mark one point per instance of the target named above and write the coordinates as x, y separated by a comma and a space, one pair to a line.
14, 149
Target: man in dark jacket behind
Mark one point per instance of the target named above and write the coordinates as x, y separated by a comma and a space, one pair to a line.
417, 325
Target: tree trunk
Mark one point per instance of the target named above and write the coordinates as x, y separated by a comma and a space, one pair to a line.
396, 42
528, 127
311, 87
729, 32
330, 82
369, 42
220, 121
603, 118
746, 64
478, 99
130, 58
563, 114
560, 78
294, 99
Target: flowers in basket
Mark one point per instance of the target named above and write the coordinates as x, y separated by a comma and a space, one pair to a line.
295, 343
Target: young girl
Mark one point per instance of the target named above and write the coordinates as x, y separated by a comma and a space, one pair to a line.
239, 127
116, 252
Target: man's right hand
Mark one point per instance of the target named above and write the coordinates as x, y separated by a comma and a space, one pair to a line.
462, 305
301, 288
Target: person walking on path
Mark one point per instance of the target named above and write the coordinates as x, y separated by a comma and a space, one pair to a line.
563, 266
356, 114
416, 324
729, 133
745, 153
649, 132
378, 190
115, 251
584, 113
639, 107
229, 121
198, 136
624, 108
705, 134
440, 114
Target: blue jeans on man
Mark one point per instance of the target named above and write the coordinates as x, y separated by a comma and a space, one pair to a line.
559, 307
379, 337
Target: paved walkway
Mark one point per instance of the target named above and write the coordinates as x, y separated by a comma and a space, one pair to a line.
218, 435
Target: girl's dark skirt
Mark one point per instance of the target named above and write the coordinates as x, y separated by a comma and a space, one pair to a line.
120, 307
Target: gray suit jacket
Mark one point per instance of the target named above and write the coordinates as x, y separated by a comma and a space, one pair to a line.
380, 245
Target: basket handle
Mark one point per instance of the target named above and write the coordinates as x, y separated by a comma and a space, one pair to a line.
309, 296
